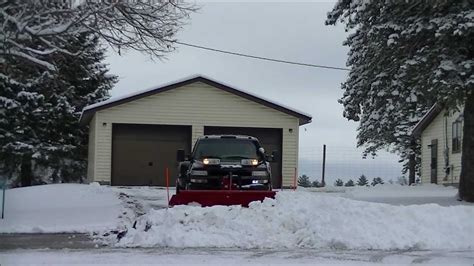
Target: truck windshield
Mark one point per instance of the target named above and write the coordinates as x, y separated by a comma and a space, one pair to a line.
226, 149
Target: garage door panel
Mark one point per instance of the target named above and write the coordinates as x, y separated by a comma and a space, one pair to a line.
270, 139
141, 153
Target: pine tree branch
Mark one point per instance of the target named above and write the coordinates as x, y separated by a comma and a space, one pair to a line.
35, 60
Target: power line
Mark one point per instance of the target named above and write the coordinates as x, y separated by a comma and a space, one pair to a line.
260, 57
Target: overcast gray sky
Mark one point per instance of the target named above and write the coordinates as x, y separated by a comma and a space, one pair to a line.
289, 31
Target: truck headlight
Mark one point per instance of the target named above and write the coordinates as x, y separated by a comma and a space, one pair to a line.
199, 173
211, 161
249, 162
261, 181
259, 173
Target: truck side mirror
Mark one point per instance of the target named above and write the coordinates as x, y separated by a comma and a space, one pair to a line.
274, 156
180, 156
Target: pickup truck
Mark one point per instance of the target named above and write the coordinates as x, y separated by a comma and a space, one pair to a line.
225, 162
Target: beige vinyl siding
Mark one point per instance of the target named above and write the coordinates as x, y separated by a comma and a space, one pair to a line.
196, 132
441, 129
198, 105
103, 161
290, 155
91, 151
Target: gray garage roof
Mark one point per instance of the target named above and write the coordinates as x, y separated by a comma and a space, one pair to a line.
89, 111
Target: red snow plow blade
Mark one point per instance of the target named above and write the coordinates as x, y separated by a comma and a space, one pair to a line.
219, 197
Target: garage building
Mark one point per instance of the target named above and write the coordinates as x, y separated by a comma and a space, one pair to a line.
133, 139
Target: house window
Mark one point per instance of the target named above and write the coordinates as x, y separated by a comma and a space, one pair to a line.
457, 127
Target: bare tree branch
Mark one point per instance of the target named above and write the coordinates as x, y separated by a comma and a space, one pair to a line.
36, 29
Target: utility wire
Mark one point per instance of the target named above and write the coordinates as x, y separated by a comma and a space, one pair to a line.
260, 57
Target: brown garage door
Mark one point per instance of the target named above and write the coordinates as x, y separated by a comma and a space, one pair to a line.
141, 153
270, 139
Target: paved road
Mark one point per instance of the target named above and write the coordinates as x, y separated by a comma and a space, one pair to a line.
79, 248
45, 241
208, 256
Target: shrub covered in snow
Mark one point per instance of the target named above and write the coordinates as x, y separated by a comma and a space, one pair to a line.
349, 183
377, 181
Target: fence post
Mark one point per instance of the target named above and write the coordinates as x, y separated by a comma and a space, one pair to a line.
168, 185
323, 182
4, 186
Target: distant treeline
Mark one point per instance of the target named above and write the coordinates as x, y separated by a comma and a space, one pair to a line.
305, 181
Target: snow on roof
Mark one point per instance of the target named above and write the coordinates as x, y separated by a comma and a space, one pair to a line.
137, 93
424, 120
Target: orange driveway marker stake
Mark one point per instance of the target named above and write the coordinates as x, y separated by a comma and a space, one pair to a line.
168, 185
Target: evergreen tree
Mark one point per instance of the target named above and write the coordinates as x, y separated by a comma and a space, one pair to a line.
376, 181
81, 80
39, 113
404, 57
338, 183
303, 181
363, 181
349, 183
316, 183
22, 117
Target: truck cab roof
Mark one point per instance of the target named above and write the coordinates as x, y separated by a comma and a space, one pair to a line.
243, 137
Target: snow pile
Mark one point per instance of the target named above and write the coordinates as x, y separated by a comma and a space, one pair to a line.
306, 220
60, 208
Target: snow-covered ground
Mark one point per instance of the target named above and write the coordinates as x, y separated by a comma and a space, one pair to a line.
386, 219
396, 194
95, 208
61, 208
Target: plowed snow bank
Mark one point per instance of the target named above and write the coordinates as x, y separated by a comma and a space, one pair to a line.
305, 219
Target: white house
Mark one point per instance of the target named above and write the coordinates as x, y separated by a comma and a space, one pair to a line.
440, 132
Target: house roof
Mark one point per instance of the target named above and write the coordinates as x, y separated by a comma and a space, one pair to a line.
89, 111
426, 119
